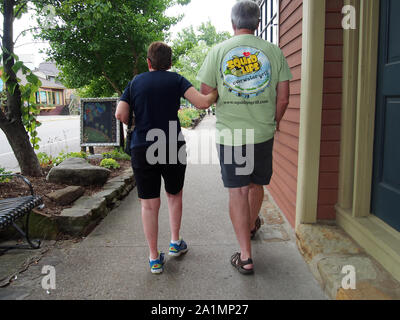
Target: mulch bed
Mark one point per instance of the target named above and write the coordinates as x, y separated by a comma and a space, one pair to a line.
16, 187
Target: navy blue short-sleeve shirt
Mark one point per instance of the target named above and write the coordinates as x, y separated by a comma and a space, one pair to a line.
155, 98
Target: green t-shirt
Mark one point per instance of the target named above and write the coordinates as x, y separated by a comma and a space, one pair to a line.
246, 70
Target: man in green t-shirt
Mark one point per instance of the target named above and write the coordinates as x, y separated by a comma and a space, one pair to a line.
252, 77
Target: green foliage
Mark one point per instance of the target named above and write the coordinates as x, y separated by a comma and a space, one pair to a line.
29, 109
107, 40
63, 156
4, 179
96, 88
191, 48
109, 164
116, 154
186, 116
189, 64
46, 160
188, 39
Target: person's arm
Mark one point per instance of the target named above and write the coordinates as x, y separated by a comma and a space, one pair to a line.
206, 89
199, 100
282, 101
122, 112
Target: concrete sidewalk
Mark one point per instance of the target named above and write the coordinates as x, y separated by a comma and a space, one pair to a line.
112, 263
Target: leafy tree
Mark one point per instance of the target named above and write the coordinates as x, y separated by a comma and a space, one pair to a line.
191, 48
209, 34
102, 44
190, 63
14, 113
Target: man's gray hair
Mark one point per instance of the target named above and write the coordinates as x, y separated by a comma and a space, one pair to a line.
246, 15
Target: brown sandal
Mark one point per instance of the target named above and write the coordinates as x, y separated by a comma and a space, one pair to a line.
239, 264
254, 231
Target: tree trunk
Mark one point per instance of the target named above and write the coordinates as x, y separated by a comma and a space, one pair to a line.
23, 151
11, 122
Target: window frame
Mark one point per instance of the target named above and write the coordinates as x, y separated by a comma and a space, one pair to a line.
269, 21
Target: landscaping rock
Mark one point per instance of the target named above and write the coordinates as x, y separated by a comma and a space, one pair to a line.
83, 216
77, 172
74, 221
67, 195
98, 206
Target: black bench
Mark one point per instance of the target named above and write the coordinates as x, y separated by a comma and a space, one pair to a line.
12, 209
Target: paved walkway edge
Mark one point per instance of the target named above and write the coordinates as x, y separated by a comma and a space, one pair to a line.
332, 255
343, 269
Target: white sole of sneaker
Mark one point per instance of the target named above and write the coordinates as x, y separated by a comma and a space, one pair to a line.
177, 254
157, 271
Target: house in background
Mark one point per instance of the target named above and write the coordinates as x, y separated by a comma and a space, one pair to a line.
53, 97
337, 155
52, 94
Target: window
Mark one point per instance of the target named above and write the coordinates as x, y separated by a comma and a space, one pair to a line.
269, 24
43, 97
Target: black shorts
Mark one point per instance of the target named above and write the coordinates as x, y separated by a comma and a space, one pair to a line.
241, 167
148, 176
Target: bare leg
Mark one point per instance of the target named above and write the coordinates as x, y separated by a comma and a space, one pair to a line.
175, 214
239, 210
150, 209
256, 197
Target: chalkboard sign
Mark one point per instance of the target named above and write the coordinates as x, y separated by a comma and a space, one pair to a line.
99, 127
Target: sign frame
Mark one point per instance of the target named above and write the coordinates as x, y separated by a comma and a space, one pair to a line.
117, 140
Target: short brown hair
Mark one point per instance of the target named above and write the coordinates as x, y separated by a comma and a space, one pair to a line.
160, 55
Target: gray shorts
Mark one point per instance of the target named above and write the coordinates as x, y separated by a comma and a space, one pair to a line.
241, 166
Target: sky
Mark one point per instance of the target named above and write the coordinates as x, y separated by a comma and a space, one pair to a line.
198, 11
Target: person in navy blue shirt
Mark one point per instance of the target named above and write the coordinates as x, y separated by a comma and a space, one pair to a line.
157, 144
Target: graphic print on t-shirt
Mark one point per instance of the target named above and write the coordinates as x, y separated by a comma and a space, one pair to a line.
246, 71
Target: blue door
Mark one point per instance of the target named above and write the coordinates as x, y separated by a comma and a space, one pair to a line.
386, 175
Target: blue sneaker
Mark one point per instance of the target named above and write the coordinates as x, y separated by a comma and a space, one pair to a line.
177, 249
157, 266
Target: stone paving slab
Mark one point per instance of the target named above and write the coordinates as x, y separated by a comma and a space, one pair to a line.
328, 249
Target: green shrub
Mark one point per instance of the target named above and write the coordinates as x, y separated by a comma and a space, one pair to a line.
109, 164
116, 154
63, 156
185, 121
3, 171
45, 160
186, 116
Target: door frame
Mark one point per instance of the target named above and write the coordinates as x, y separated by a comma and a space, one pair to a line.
360, 62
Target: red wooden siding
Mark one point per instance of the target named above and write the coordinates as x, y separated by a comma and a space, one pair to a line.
283, 186
331, 111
